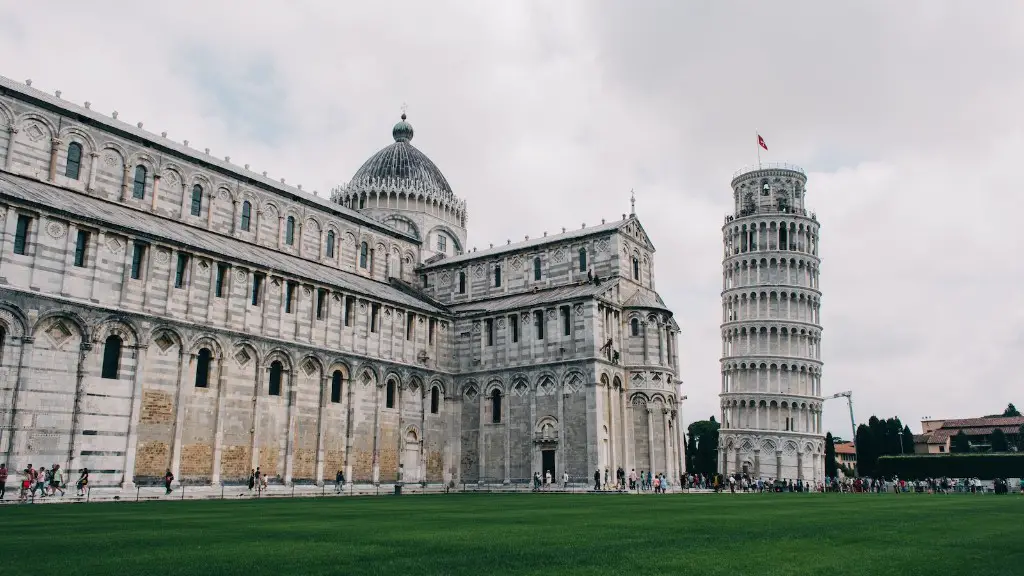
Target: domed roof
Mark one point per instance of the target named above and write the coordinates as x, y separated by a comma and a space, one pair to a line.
401, 166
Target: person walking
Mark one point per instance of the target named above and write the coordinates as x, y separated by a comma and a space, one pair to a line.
57, 480
565, 480
83, 481
3, 480
597, 480
339, 481
252, 479
168, 478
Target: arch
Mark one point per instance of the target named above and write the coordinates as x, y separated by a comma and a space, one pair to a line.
140, 175
329, 243
119, 326
206, 341
407, 225
246, 219
337, 384
12, 320
451, 235
289, 230
73, 164
6, 114
546, 427
368, 375
391, 391
494, 384
495, 397
275, 377
111, 366
32, 116
435, 398
634, 326
203, 361
279, 354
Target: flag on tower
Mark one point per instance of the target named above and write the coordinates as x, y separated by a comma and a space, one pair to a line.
760, 142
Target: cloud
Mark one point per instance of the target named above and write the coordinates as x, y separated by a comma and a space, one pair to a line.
542, 115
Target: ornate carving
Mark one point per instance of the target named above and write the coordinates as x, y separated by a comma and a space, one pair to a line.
111, 159
579, 309
501, 323
479, 271
307, 292
203, 265
242, 357
164, 342
58, 333
34, 132
239, 275
517, 263
114, 244
559, 255
56, 229
602, 245
162, 256
445, 277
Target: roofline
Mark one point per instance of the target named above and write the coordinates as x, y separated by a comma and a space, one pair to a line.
89, 117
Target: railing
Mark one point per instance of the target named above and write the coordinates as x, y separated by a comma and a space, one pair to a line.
768, 166
755, 210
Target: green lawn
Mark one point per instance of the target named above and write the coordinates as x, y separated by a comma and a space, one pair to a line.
547, 534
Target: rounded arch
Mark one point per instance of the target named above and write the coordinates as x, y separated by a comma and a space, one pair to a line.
206, 341
546, 424
617, 382
6, 115
411, 434
279, 354
451, 234
436, 383
69, 133
339, 364
311, 364
200, 179
638, 399
495, 384
13, 320
116, 149
406, 224
119, 326
367, 374
33, 117
392, 376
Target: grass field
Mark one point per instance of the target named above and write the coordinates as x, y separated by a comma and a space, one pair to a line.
549, 534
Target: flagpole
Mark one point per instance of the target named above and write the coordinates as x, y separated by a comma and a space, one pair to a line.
757, 142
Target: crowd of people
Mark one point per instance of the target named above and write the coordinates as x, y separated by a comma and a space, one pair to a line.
928, 485
46, 481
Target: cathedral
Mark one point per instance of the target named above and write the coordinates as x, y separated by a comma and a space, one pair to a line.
161, 308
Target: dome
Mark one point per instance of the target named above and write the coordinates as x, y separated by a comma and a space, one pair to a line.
401, 166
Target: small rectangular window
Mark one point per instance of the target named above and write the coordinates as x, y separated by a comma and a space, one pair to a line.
513, 325
222, 271
321, 303
21, 233
423, 277
566, 321
179, 273
289, 296
432, 327
489, 328
138, 258
410, 322
81, 248
497, 275
442, 243
374, 314
348, 310
257, 288
538, 321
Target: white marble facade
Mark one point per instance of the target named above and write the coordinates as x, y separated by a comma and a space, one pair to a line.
162, 308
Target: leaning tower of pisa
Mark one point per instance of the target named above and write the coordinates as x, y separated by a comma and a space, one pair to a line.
771, 330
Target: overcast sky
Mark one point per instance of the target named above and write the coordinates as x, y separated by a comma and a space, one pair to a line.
907, 116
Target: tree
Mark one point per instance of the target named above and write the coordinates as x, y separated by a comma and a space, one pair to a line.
830, 456
691, 451
705, 455
1020, 438
908, 440
961, 443
998, 441
1011, 410
866, 454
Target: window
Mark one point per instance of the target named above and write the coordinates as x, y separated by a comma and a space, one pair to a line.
276, 370
495, 406
634, 327
197, 200
321, 303
513, 326
336, 380
538, 322
246, 215
389, 401
566, 320
3, 340
257, 288
21, 233
431, 328
222, 272
289, 295
138, 257
330, 244
74, 165
374, 314
139, 185
363, 252
636, 268
81, 248
348, 311
536, 268
111, 357
423, 277
203, 368
289, 231
179, 273
583, 259
410, 320
497, 275
489, 328
362, 201
435, 399
462, 282
442, 243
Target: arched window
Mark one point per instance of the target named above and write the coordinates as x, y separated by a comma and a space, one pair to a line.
497, 275
111, 357
139, 185
462, 282
3, 342
495, 406
246, 215
74, 165
330, 244
362, 201
435, 400
203, 368
583, 259
276, 370
536, 268
390, 400
636, 268
289, 231
634, 327
197, 200
363, 253
336, 380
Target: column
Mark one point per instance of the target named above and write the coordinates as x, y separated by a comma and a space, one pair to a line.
54, 149
209, 208
668, 444
480, 444
24, 353
799, 465
650, 439
179, 407
184, 202
258, 213
132, 441
560, 466
298, 237
156, 189
613, 453
757, 462
349, 413
321, 425
508, 438
234, 216
376, 430
73, 457
257, 393
94, 166
218, 426
778, 465
12, 132
124, 187
280, 232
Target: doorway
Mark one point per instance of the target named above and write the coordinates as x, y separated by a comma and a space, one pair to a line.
547, 464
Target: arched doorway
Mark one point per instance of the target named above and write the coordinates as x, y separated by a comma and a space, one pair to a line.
411, 457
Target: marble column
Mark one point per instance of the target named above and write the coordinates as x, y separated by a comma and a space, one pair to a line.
131, 442
12, 132
218, 426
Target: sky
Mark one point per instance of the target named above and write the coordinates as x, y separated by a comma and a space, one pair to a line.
907, 117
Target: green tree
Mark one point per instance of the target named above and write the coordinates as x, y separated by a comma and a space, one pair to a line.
961, 443
908, 440
830, 456
866, 454
705, 458
691, 451
893, 445
998, 441
1020, 438
1011, 410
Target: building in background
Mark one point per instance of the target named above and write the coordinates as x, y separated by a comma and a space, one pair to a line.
161, 308
937, 435
846, 455
771, 396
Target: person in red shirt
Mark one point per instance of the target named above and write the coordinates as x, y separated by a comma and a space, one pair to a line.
3, 481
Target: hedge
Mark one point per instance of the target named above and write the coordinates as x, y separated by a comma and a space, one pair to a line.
983, 466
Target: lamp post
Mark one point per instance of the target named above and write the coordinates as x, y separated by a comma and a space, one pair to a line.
901, 442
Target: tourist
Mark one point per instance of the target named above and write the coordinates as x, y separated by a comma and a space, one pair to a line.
339, 482
168, 478
252, 479
259, 481
42, 481
83, 481
597, 480
3, 481
565, 480
57, 480
26, 483
547, 479
632, 478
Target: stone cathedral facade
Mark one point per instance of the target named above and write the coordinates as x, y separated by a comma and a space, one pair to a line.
161, 308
